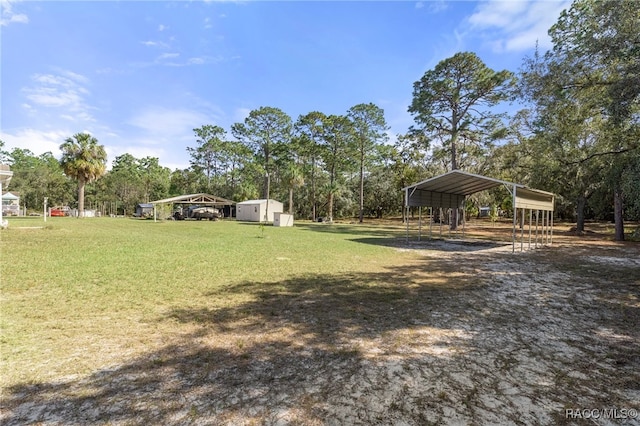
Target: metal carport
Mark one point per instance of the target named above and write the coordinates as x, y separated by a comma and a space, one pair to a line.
449, 191
200, 199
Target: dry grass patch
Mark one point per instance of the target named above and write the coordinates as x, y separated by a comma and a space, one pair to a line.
357, 327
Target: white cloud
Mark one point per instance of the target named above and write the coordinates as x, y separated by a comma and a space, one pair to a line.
165, 123
64, 91
240, 114
207, 23
151, 43
168, 55
437, 6
164, 133
162, 27
37, 141
513, 26
419, 5
8, 16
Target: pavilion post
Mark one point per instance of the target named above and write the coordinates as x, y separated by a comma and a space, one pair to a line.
430, 221
420, 223
440, 222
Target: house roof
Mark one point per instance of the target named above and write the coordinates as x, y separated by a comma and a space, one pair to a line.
200, 198
10, 196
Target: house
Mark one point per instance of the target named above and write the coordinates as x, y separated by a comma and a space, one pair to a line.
10, 204
256, 210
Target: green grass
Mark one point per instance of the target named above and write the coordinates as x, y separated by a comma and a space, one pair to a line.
80, 294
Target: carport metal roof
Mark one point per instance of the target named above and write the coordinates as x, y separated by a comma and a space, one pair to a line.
201, 198
450, 189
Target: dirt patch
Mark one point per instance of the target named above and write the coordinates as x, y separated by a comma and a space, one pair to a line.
463, 334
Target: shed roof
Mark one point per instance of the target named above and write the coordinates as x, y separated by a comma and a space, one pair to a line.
262, 201
200, 198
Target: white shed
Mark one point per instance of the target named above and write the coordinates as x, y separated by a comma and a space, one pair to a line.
256, 210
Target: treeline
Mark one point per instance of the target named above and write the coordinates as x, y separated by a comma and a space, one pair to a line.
577, 137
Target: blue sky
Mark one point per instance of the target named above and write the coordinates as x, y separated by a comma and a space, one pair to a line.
139, 76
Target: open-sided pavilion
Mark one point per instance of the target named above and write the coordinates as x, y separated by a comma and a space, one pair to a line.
200, 199
448, 192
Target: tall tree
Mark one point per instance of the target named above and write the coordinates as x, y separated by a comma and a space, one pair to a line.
337, 153
452, 102
84, 160
309, 129
208, 156
263, 131
593, 68
36, 177
369, 128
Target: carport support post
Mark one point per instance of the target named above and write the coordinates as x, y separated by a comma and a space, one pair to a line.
515, 218
537, 217
430, 221
543, 236
464, 221
522, 232
420, 223
155, 216
530, 219
551, 230
406, 212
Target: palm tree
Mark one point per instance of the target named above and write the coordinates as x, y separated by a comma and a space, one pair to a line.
294, 179
83, 160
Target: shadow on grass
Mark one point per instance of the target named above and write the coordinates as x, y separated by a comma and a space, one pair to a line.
436, 244
353, 229
292, 347
286, 350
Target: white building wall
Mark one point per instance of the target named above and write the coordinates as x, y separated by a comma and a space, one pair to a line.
255, 210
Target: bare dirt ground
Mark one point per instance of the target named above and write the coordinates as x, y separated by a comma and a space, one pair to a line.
463, 334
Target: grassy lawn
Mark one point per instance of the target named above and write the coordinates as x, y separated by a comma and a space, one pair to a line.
121, 321
80, 294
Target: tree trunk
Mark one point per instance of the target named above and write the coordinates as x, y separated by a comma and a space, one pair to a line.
361, 192
618, 213
81, 185
291, 200
582, 202
330, 207
454, 166
313, 190
266, 186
